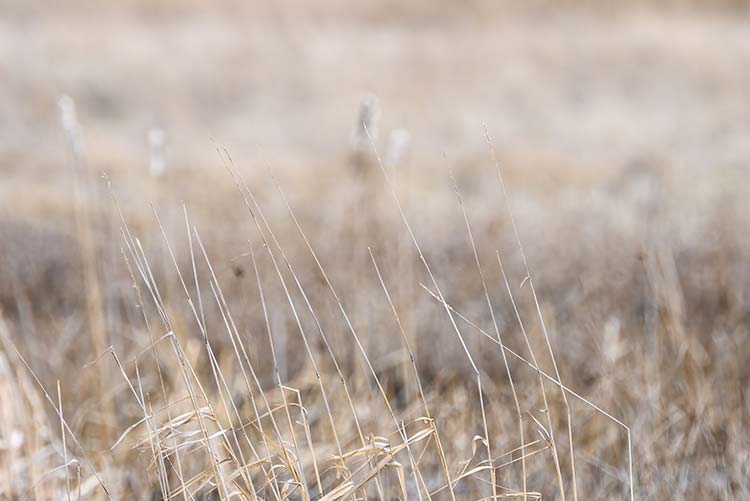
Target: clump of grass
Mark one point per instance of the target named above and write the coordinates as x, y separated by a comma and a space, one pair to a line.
312, 376
208, 423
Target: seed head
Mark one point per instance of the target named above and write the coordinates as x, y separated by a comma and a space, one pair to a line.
368, 120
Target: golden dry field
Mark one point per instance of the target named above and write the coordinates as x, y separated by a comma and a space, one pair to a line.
354, 250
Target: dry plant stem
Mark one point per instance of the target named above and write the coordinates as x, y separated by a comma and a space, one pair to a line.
43, 477
93, 296
156, 455
318, 325
221, 383
324, 337
344, 314
547, 412
539, 313
310, 356
533, 366
235, 340
404, 338
348, 488
226, 317
335, 295
90, 464
201, 321
185, 367
186, 370
156, 451
62, 436
330, 351
142, 265
418, 479
322, 333
326, 343
146, 409
215, 368
412, 360
543, 374
154, 348
497, 333
437, 287
276, 370
465, 474
248, 197
7, 418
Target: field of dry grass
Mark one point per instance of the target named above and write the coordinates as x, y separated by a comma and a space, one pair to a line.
526, 278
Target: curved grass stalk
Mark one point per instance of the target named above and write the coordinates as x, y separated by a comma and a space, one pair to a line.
499, 339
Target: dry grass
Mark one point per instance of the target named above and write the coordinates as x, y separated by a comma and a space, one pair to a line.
532, 317
206, 418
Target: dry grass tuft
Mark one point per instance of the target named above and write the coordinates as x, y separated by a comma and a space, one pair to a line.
207, 417
561, 314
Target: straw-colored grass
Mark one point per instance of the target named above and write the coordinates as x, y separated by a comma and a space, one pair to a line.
203, 418
559, 313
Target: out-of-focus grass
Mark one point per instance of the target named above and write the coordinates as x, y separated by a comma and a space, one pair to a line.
622, 139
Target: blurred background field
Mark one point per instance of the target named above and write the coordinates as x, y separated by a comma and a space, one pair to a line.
622, 132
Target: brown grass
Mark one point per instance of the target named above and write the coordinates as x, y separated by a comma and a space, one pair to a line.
559, 313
